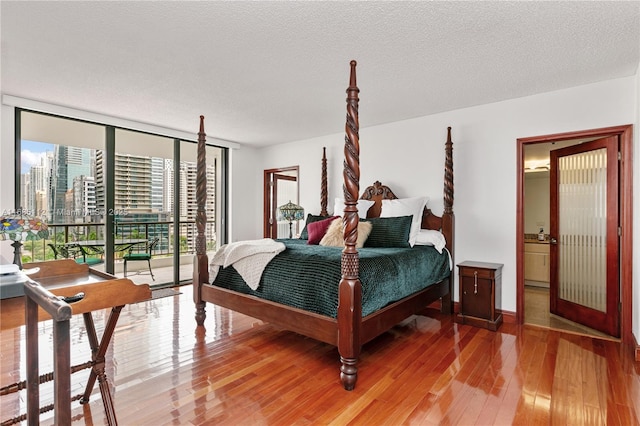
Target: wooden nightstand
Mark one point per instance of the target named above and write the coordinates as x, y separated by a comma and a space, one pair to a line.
480, 294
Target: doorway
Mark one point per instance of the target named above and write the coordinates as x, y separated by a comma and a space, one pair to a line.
280, 187
624, 134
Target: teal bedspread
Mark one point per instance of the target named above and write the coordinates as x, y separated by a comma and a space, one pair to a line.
307, 276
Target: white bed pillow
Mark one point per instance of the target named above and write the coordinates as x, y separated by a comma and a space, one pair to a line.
406, 207
363, 207
430, 237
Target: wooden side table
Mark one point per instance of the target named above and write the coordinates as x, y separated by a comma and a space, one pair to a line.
480, 294
100, 290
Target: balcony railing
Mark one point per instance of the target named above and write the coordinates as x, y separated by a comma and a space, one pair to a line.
60, 234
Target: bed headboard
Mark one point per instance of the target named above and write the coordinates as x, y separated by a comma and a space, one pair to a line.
378, 192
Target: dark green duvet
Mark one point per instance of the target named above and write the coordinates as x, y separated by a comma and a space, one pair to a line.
307, 276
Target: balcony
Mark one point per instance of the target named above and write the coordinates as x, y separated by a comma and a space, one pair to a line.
162, 261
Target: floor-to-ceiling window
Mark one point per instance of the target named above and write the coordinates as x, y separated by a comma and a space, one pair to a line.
109, 191
57, 171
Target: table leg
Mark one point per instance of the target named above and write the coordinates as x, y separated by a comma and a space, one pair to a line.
33, 387
62, 373
98, 352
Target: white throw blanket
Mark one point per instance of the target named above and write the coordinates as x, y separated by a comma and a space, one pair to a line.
249, 258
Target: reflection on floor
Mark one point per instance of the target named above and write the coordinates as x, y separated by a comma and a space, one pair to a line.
163, 275
536, 312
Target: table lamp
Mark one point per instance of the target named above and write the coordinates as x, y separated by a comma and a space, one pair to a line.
291, 212
20, 226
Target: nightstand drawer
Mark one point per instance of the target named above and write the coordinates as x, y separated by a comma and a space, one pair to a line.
467, 271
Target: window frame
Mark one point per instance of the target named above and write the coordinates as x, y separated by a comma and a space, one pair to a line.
222, 187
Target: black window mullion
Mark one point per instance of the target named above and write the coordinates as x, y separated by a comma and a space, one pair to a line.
110, 196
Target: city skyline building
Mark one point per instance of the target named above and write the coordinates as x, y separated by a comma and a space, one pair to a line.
69, 162
38, 183
143, 192
84, 197
157, 184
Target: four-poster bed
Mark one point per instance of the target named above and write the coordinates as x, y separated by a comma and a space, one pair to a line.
348, 329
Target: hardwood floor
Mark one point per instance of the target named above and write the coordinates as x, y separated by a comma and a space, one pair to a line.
536, 312
427, 370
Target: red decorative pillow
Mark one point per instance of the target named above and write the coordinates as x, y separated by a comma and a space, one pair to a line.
317, 230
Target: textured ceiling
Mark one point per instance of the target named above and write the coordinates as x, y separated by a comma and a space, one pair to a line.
271, 72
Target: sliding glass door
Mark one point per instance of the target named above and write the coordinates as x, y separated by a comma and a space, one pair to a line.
111, 191
57, 183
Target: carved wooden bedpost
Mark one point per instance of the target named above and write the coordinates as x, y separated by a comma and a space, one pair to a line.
201, 261
350, 290
323, 185
448, 219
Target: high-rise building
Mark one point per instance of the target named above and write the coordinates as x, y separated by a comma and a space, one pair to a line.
137, 195
133, 183
69, 162
100, 180
68, 206
167, 186
84, 196
41, 204
25, 186
38, 183
157, 176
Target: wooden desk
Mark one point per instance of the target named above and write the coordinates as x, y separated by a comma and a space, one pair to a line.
101, 291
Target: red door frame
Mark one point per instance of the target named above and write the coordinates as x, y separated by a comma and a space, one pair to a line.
626, 218
267, 193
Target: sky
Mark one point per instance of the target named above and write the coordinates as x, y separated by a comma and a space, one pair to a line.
31, 154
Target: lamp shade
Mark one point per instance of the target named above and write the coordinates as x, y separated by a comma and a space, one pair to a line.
291, 212
20, 226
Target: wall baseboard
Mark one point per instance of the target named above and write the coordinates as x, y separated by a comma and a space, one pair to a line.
509, 317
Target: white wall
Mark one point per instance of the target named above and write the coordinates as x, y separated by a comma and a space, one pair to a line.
7, 176
409, 156
636, 212
245, 198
